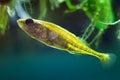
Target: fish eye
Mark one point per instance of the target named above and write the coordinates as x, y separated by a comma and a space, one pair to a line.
29, 21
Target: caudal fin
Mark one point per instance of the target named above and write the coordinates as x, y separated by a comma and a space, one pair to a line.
108, 60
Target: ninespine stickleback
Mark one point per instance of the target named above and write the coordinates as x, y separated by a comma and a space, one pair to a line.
57, 37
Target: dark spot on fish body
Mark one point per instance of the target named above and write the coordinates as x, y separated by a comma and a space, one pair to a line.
40, 32
36, 30
59, 42
56, 40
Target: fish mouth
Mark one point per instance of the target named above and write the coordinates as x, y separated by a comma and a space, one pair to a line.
20, 22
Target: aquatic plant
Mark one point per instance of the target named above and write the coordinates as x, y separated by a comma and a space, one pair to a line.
6, 7
98, 11
36, 9
118, 26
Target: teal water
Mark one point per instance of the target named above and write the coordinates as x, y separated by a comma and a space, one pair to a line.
22, 58
35, 61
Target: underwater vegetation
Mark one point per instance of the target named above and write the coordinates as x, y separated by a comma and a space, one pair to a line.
7, 10
23, 8
99, 12
6, 7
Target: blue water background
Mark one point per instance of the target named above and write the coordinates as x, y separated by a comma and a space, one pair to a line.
23, 58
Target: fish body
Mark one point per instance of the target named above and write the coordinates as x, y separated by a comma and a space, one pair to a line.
57, 37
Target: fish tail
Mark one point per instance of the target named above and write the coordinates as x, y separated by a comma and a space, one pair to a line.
108, 60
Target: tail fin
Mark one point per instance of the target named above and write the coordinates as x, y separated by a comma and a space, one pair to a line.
108, 60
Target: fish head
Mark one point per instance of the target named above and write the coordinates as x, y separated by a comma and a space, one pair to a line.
33, 28
29, 25
25, 23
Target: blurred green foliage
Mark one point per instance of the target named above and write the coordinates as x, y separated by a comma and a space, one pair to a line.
3, 19
6, 7
98, 12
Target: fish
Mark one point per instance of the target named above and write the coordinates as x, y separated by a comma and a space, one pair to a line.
57, 37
